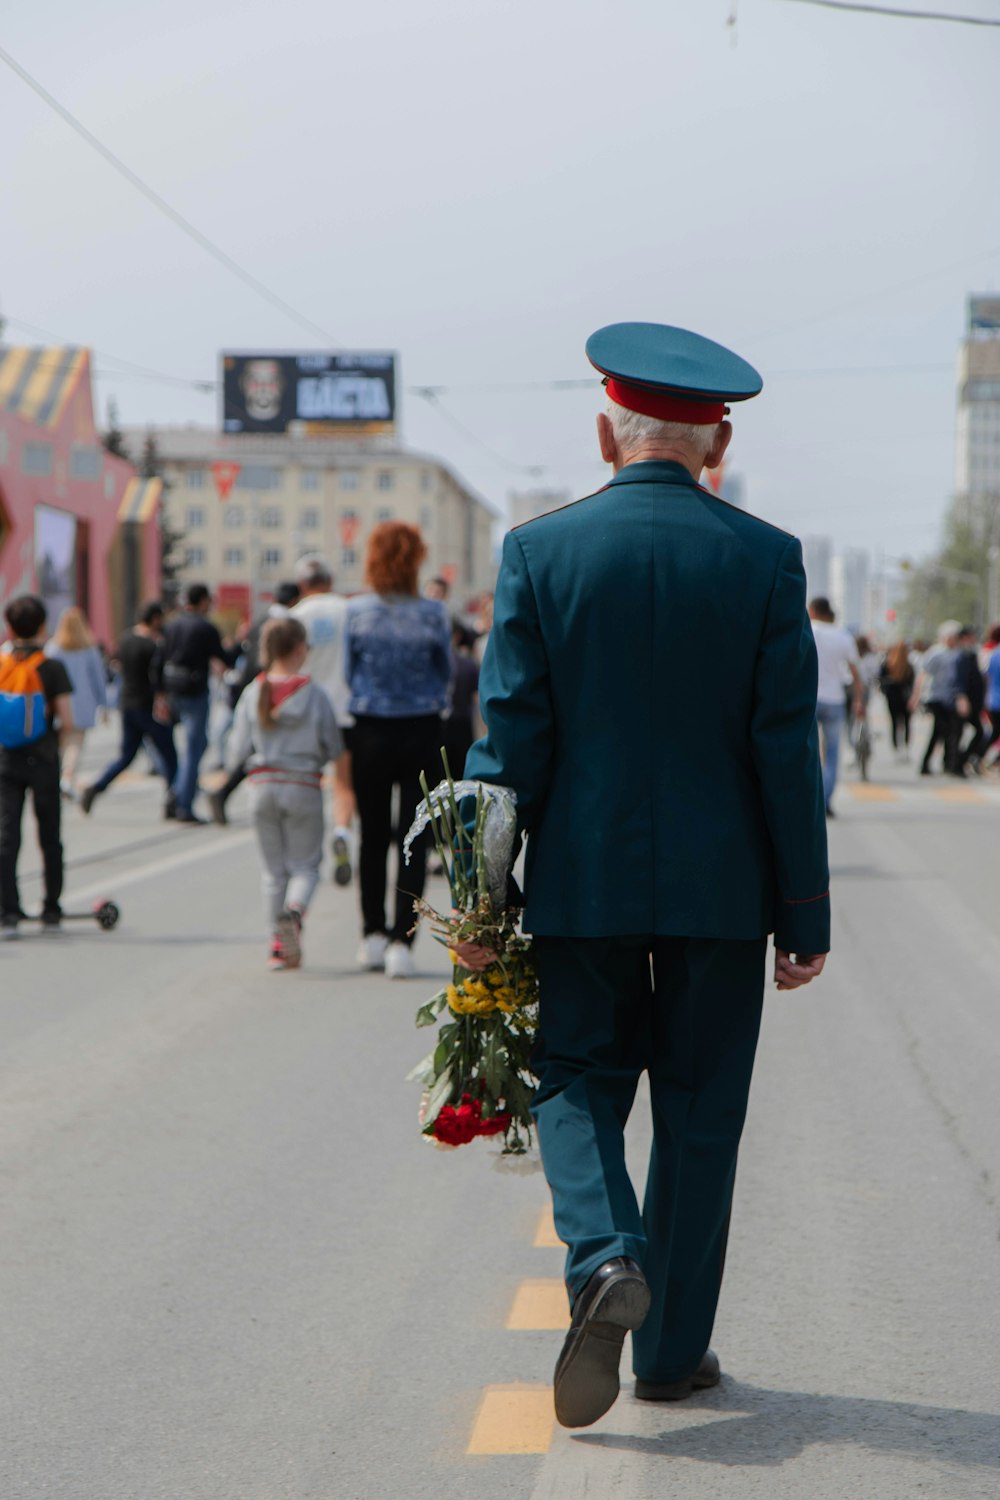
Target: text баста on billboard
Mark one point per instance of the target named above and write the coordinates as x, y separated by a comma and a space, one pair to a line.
268, 392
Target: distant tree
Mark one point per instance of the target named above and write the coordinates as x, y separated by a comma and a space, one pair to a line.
171, 537
955, 583
113, 437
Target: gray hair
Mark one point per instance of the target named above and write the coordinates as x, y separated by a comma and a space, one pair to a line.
632, 429
947, 629
311, 570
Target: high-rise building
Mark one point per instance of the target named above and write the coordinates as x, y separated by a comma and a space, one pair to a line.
977, 429
850, 575
817, 555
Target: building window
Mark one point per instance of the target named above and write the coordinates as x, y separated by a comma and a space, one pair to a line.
84, 462
348, 557
384, 513
309, 520
383, 479
194, 557
426, 480
196, 479
36, 458
258, 477
270, 518
426, 518
233, 517
350, 479
309, 479
195, 518
270, 557
233, 556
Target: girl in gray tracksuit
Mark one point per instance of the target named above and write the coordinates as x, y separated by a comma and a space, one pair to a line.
286, 730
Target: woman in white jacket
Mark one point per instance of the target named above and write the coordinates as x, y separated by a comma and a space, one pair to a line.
285, 728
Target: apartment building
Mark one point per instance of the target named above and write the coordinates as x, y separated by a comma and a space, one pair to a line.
292, 494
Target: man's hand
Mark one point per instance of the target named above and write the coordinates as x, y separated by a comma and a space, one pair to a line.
859, 708
474, 957
792, 974
963, 706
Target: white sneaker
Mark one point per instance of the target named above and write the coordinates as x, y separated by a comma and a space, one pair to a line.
371, 950
399, 962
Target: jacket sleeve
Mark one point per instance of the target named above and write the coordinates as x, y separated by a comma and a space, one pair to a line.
330, 739
785, 745
514, 693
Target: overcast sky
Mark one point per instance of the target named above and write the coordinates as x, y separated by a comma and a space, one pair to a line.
478, 184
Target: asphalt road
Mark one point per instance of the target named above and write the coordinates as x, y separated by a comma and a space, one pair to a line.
232, 1270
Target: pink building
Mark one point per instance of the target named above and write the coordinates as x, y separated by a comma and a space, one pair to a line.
77, 525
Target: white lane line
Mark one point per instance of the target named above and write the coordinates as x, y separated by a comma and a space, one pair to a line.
112, 884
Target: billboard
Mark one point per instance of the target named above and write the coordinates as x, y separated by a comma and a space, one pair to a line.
352, 394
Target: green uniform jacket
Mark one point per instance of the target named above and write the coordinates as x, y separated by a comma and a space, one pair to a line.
649, 692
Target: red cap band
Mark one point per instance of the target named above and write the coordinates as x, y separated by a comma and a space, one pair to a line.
663, 405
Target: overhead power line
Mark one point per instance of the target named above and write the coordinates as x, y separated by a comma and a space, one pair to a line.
900, 15
206, 387
160, 203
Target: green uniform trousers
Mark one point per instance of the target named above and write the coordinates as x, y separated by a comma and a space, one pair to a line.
687, 1011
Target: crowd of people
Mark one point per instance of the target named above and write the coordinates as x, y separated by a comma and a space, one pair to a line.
372, 687
955, 682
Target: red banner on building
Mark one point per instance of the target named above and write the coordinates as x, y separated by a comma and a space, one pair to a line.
350, 525
224, 475
715, 478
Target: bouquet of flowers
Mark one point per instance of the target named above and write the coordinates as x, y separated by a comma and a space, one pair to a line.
477, 1079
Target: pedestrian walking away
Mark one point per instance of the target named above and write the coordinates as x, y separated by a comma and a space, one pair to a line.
398, 666
324, 614
35, 708
145, 711
993, 687
896, 679
936, 688
970, 700
285, 730
246, 669
191, 646
838, 663
657, 861
73, 643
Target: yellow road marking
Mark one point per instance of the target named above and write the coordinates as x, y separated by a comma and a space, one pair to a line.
513, 1419
958, 794
539, 1304
867, 791
545, 1234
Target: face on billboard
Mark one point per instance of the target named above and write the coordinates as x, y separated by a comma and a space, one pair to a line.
262, 385
322, 392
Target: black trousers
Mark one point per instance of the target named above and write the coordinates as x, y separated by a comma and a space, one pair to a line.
41, 778
389, 753
976, 746
897, 698
138, 724
944, 732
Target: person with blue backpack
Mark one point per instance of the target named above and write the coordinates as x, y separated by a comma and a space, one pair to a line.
35, 709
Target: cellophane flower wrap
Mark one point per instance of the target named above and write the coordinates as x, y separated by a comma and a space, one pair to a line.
477, 1080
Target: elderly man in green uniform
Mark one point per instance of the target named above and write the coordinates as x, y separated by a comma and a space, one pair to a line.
649, 692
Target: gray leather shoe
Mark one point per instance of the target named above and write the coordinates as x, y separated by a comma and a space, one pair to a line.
707, 1374
615, 1300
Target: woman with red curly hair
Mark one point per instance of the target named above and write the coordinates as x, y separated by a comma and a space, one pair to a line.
398, 667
